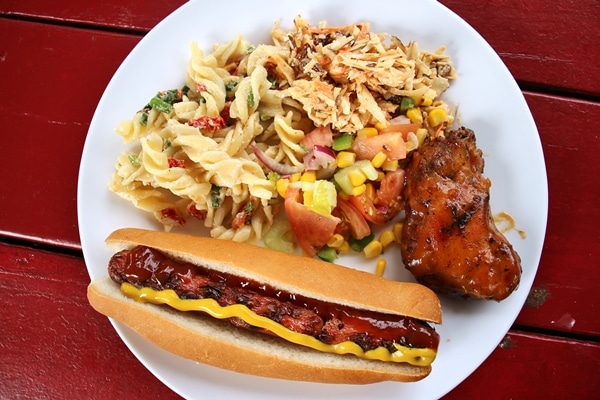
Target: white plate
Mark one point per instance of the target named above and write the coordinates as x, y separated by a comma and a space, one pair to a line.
489, 101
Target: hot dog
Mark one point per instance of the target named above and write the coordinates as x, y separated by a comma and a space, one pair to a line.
267, 313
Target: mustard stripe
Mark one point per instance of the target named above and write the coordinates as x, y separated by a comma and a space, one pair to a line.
414, 356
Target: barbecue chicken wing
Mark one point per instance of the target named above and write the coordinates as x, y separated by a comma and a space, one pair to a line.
449, 240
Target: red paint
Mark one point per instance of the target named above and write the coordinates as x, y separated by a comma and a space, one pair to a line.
547, 43
49, 333
568, 269
51, 79
526, 366
51, 336
128, 15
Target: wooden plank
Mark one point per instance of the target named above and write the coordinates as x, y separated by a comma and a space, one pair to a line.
136, 16
565, 289
52, 79
528, 366
51, 335
550, 43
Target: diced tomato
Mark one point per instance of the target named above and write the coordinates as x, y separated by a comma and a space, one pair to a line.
358, 226
312, 230
200, 87
321, 136
175, 163
391, 189
170, 216
404, 129
244, 217
209, 124
196, 213
225, 112
386, 202
391, 143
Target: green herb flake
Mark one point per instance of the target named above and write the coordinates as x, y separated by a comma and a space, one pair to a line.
160, 105
215, 196
250, 49
170, 96
273, 81
134, 160
144, 118
229, 86
250, 98
250, 206
166, 144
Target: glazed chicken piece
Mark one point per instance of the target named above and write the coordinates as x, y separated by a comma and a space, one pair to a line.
449, 240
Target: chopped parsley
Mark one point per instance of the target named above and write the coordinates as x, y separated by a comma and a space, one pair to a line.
229, 86
134, 160
215, 196
250, 98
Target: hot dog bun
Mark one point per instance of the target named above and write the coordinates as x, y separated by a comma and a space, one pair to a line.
214, 342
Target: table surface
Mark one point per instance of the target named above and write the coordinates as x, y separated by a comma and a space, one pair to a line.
55, 61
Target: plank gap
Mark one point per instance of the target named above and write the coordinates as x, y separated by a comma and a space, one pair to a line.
74, 24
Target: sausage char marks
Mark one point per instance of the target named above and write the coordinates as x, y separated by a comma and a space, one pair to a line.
331, 324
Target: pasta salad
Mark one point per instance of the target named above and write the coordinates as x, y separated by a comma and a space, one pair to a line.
313, 126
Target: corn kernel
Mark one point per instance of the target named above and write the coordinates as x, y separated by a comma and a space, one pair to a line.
426, 101
373, 249
344, 247
415, 116
357, 177
358, 190
282, 186
380, 267
307, 197
335, 241
390, 165
417, 100
437, 116
386, 237
379, 159
345, 159
380, 126
295, 177
397, 229
380, 175
367, 132
309, 176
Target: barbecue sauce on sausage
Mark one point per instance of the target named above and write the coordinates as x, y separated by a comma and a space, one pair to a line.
330, 323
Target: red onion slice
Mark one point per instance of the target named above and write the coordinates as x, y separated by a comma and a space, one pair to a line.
281, 169
319, 157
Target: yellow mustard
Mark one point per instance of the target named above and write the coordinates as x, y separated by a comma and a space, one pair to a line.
414, 356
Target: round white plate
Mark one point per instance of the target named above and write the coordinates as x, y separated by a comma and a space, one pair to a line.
489, 102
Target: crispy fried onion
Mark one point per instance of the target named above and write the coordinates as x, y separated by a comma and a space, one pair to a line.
349, 77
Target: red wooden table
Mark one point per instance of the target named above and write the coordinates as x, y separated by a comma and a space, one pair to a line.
55, 61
